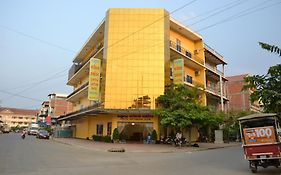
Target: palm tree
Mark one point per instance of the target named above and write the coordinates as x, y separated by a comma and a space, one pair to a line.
271, 48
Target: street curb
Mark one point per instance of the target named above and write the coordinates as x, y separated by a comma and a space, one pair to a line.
144, 151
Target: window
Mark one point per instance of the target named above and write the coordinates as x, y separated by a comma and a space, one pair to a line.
99, 129
178, 45
188, 54
109, 128
188, 79
171, 72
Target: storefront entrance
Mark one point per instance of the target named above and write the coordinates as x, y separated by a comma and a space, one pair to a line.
136, 132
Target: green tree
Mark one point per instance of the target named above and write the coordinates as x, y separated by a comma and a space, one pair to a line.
267, 89
180, 108
271, 48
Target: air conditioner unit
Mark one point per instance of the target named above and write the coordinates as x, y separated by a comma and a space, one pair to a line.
196, 51
197, 72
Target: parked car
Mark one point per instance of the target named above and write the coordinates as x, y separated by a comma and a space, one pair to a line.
43, 134
32, 131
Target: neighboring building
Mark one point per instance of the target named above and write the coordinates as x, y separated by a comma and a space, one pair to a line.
17, 117
132, 55
239, 100
55, 107
43, 113
215, 79
58, 105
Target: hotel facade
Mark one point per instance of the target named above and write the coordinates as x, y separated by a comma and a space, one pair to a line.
126, 64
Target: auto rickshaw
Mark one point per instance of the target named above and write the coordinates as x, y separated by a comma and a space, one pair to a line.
261, 135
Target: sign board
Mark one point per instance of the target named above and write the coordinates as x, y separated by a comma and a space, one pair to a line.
259, 135
94, 79
178, 71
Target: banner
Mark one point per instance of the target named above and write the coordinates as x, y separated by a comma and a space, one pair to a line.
178, 74
259, 135
94, 79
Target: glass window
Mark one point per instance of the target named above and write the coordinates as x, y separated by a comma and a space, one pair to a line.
178, 45
99, 129
109, 128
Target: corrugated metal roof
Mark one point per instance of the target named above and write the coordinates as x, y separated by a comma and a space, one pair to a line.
257, 115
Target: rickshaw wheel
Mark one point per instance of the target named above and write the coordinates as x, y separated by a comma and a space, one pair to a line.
253, 167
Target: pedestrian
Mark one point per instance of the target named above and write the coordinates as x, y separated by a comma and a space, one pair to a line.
148, 141
178, 139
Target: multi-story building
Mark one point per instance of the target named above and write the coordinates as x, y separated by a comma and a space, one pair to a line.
17, 117
215, 78
239, 99
126, 64
53, 108
43, 113
58, 105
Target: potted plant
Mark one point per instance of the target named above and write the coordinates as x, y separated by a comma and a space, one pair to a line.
116, 136
154, 136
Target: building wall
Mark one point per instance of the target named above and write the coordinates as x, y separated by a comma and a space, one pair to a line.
15, 119
239, 100
87, 126
134, 65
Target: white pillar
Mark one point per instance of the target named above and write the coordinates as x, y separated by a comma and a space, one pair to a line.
221, 93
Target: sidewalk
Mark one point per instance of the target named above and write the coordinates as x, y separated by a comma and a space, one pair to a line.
139, 147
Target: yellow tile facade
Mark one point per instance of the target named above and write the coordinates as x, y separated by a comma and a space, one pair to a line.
136, 51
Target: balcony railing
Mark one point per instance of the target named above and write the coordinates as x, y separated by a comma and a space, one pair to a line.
77, 112
78, 89
214, 69
216, 90
185, 52
76, 67
190, 80
213, 51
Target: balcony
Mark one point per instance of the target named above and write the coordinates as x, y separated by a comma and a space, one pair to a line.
77, 93
185, 53
189, 81
215, 90
214, 69
211, 50
76, 69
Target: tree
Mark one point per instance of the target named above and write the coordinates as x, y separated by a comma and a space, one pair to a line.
180, 108
267, 89
271, 48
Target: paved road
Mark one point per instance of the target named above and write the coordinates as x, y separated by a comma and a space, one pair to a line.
46, 157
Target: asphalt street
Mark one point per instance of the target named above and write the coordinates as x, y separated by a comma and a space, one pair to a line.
46, 157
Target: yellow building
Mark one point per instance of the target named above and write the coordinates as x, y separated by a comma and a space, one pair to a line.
125, 65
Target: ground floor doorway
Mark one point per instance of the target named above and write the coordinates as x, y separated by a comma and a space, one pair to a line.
134, 131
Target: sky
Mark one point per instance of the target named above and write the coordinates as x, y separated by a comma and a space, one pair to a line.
39, 39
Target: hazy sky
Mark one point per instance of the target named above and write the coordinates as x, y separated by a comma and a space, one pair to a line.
39, 39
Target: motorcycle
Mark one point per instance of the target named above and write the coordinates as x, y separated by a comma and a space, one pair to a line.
23, 136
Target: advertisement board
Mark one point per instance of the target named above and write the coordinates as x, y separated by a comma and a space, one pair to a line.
178, 71
259, 135
94, 79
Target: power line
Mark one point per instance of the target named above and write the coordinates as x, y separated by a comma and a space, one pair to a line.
218, 12
55, 45
141, 29
210, 11
240, 14
37, 39
29, 98
34, 85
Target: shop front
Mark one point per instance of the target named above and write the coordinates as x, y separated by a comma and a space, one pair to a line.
136, 128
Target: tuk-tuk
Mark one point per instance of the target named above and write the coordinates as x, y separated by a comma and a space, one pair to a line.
261, 135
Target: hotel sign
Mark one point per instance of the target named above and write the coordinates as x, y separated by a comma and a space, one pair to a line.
94, 79
178, 74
